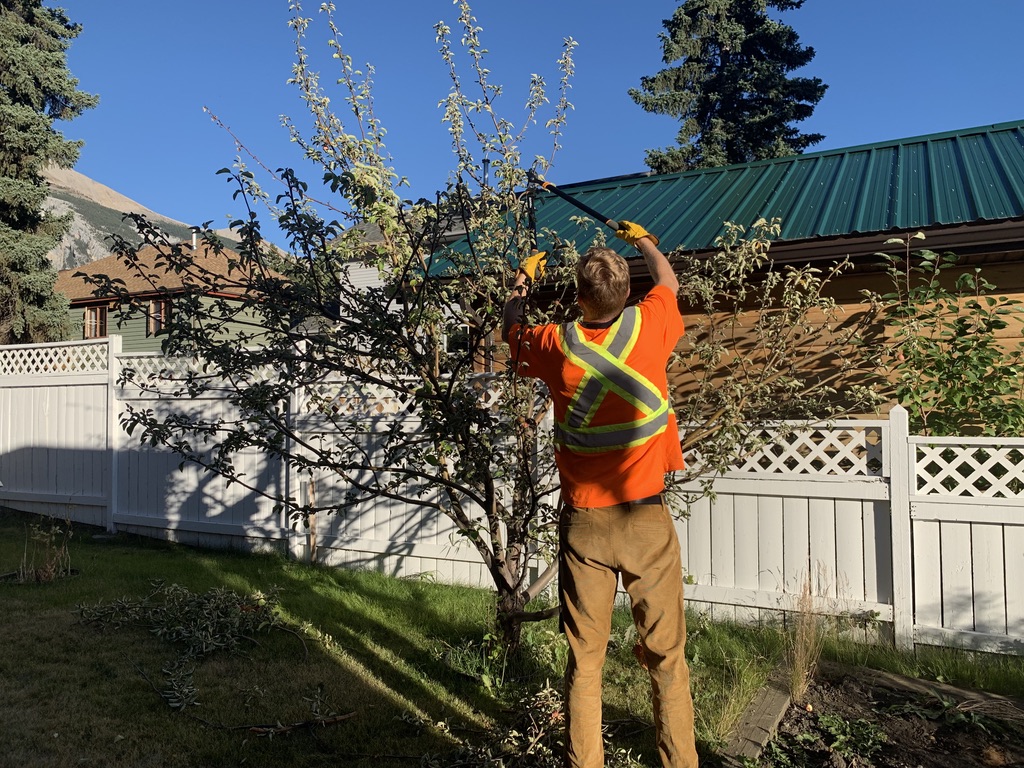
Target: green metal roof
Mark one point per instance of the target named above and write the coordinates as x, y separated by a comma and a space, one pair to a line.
976, 174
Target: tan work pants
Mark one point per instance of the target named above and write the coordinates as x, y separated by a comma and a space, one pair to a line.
637, 542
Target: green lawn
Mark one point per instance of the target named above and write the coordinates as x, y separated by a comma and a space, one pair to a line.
359, 669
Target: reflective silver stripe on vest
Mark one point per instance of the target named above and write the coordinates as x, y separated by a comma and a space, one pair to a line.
605, 371
592, 390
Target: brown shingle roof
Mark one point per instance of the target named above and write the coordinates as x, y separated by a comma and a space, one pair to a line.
151, 276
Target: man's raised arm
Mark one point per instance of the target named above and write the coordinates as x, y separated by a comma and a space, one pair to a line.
515, 308
658, 265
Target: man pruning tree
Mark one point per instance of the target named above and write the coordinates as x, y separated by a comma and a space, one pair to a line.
615, 438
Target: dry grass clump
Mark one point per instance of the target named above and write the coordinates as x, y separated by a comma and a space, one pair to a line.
47, 557
806, 640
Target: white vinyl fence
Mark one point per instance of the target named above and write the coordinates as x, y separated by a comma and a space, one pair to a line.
921, 536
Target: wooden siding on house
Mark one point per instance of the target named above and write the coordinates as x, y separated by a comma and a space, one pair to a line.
132, 331
149, 280
135, 335
847, 290
245, 322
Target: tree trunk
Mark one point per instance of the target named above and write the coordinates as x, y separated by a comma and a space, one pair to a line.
510, 618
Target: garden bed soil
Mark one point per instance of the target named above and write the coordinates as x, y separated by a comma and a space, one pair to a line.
860, 718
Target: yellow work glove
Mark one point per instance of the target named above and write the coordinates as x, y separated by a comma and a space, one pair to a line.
533, 265
632, 233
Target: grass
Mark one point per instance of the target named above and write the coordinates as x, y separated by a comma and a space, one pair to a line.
72, 694
362, 669
995, 673
807, 638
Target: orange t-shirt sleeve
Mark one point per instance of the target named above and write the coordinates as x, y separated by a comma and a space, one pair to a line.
661, 306
530, 346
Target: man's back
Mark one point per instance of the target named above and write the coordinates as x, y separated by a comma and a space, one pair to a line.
616, 435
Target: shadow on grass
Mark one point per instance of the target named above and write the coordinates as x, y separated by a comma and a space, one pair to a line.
98, 688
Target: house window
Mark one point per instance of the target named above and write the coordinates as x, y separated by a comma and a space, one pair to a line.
95, 322
158, 317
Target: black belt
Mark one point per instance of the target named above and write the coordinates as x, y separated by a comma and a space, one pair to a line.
655, 499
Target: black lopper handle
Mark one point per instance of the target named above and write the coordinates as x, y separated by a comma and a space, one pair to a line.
534, 178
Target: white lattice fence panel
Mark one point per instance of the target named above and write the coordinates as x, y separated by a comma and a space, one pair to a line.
53, 359
848, 450
352, 399
160, 371
488, 390
151, 369
347, 399
987, 471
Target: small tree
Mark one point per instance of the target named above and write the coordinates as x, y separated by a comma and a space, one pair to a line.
731, 90
945, 359
389, 392
35, 90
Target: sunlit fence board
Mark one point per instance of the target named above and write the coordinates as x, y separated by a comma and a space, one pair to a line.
697, 557
796, 558
722, 530
770, 546
746, 535
821, 524
989, 586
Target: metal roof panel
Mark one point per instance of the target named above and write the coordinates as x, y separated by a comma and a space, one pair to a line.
945, 178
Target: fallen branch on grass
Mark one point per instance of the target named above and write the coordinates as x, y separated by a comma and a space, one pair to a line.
260, 730
278, 729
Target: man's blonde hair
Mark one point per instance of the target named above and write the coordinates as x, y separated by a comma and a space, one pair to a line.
602, 281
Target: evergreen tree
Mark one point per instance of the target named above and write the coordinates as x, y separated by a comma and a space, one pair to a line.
35, 90
731, 90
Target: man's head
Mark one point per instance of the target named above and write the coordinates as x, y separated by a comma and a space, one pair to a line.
602, 282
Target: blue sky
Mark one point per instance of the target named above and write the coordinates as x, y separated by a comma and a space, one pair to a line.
895, 69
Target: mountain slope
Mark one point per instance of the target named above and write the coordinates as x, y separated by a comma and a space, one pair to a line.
98, 212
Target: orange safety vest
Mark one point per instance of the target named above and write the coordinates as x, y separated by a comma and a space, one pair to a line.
605, 371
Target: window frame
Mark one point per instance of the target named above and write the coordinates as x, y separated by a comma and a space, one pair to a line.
158, 316
94, 325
